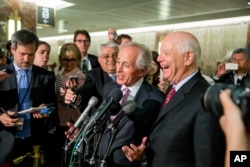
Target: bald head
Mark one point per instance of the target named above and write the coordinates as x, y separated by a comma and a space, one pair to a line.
180, 54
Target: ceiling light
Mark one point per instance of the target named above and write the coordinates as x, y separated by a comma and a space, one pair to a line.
57, 4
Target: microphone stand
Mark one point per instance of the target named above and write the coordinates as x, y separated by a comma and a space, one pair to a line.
92, 161
98, 130
103, 161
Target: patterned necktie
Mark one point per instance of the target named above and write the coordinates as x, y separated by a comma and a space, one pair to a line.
84, 66
24, 102
125, 95
169, 96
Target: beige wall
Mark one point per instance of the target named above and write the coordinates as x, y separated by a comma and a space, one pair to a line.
216, 42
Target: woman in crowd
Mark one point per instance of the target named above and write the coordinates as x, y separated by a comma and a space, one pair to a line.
153, 75
69, 60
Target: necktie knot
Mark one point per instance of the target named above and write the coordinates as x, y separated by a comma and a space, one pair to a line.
84, 66
126, 92
169, 96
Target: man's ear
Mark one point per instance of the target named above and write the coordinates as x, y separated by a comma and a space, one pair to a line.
142, 72
189, 58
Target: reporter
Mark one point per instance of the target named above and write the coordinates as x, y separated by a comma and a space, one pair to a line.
233, 127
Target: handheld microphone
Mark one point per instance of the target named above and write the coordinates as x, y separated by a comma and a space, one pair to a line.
128, 108
111, 104
92, 102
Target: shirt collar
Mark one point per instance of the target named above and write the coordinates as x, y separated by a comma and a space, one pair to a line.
182, 82
133, 88
17, 68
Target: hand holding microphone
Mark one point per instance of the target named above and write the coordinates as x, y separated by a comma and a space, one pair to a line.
92, 102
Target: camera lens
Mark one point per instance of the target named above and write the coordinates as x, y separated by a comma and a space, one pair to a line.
211, 100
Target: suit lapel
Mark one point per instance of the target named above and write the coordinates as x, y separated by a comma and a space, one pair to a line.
179, 96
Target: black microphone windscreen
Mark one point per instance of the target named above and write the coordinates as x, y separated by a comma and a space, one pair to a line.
115, 108
116, 94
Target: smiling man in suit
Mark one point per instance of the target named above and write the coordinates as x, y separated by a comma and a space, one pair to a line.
184, 134
27, 86
133, 62
98, 77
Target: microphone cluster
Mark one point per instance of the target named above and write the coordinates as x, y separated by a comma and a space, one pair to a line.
98, 121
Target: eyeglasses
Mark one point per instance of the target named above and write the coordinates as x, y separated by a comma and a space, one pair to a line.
83, 41
73, 60
109, 56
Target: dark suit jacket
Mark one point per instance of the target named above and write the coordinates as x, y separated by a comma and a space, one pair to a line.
93, 86
131, 130
184, 134
93, 61
42, 91
228, 78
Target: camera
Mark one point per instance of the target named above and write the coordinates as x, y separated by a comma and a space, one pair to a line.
240, 95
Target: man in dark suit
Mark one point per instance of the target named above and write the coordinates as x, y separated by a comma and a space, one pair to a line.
184, 134
40, 91
130, 72
82, 40
230, 76
96, 78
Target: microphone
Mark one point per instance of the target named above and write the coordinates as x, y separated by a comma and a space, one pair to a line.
92, 102
110, 104
128, 108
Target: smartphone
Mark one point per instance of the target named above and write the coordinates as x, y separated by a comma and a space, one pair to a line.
73, 77
8, 71
231, 66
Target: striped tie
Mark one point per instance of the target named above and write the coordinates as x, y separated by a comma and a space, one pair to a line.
169, 96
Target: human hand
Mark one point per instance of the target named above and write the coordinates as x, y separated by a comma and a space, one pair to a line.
134, 153
3, 75
112, 34
69, 96
71, 133
220, 70
232, 124
7, 120
38, 115
163, 85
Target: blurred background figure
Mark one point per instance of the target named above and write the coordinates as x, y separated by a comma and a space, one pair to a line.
3, 59
153, 75
9, 56
69, 60
82, 40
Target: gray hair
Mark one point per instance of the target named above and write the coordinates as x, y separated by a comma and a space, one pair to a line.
24, 37
109, 45
240, 50
144, 59
191, 44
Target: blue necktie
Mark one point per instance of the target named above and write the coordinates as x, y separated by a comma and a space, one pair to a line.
24, 103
